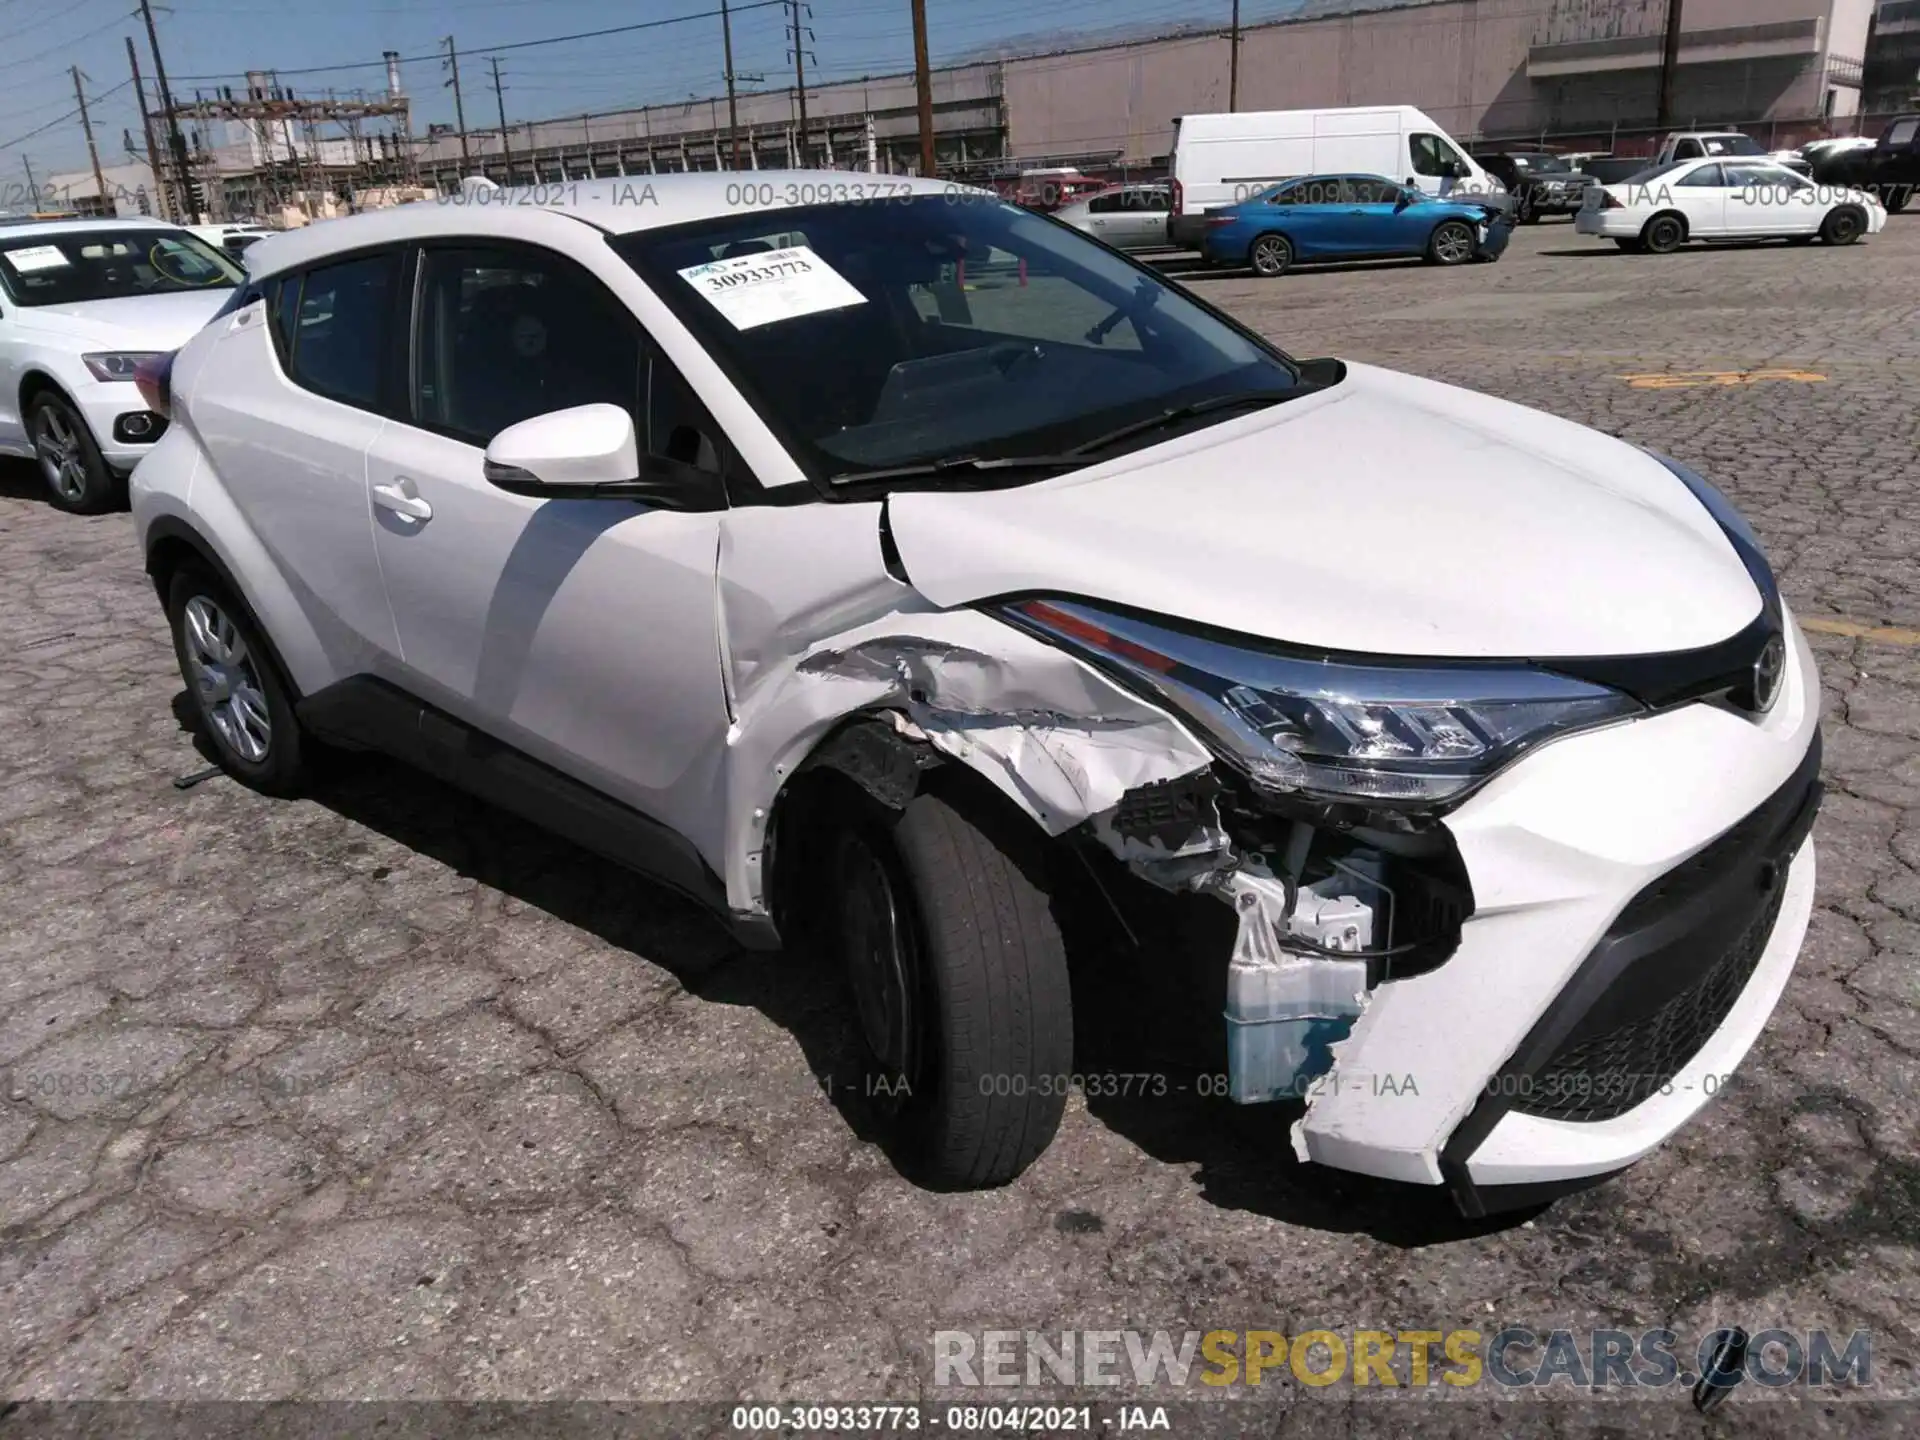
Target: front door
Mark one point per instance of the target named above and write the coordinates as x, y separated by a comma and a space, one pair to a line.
581, 631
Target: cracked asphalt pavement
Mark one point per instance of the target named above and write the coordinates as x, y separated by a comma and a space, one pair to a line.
384, 1094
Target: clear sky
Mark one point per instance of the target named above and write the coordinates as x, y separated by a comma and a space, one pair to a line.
206, 43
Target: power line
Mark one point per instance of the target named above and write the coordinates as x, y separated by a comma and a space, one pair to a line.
512, 45
58, 119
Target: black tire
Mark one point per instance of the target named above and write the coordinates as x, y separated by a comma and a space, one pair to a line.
221, 706
1271, 256
1452, 243
1524, 210
1664, 234
1843, 226
983, 1038
1895, 197
77, 478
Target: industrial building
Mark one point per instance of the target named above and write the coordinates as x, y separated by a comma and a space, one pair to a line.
1580, 72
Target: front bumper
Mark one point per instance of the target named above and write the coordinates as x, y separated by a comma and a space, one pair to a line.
110, 408
1470, 1075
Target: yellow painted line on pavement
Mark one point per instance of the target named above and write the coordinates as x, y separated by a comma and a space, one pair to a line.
1689, 379
1854, 630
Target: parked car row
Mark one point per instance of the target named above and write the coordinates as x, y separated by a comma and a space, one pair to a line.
935, 627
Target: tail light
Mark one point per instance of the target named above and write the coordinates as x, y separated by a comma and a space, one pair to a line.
1611, 201
1213, 220
153, 378
1179, 201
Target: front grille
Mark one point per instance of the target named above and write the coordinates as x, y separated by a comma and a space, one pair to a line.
1606, 1075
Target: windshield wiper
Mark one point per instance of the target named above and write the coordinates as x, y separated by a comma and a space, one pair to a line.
957, 463
1068, 459
1182, 412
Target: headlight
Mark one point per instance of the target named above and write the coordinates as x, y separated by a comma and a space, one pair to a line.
1412, 736
117, 364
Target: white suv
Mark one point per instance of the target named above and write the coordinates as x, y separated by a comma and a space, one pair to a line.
82, 304
884, 564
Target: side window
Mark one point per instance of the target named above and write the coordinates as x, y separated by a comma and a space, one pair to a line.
1688, 150
1106, 204
1432, 155
1709, 177
678, 425
337, 338
1321, 190
283, 311
1375, 192
1902, 132
1289, 196
504, 334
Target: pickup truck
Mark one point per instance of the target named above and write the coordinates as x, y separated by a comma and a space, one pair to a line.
1890, 169
1696, 144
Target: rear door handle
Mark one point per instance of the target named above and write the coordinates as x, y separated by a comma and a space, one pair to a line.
395, 498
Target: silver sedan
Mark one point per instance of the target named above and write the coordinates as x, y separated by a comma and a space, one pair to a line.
1127, 217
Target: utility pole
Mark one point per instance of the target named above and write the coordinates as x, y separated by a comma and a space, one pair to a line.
176, 142
733, 109
1233, 61
146, 126
1669, 62
33, 186
923, 79
459, 108
93, 151
800, 80
506, 150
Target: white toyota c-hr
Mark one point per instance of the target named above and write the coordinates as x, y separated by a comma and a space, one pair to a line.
82, 304
882, 563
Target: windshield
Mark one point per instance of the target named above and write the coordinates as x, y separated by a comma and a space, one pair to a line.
1552, 164
881, 335
1654, 172
72, 266
1733, 145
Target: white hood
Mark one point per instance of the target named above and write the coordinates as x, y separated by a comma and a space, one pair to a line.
1389, 515
136, 322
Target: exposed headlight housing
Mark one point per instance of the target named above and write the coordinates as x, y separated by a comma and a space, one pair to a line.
1391, 734
117, 364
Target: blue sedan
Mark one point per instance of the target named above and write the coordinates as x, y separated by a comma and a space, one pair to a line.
1352, 217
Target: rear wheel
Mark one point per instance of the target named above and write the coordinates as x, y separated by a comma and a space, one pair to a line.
1450, 244
1271, 255
1663, 234
959, 976
1843, 226
244, 708
78, 480
1895, 197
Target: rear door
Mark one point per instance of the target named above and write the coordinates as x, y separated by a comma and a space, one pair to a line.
1314, 214
287, 402
1701, 195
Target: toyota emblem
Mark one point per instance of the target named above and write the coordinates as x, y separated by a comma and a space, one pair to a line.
1767, 672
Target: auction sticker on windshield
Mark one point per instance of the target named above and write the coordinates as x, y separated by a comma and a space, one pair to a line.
771, 285
29, 258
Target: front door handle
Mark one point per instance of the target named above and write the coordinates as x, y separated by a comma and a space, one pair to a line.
395, 498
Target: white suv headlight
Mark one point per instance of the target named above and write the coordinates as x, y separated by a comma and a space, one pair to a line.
1394, 734
117, 364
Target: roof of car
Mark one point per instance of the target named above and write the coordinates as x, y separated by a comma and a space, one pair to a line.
13, 232
615, 206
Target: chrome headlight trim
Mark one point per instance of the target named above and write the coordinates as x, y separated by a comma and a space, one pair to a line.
1402, 734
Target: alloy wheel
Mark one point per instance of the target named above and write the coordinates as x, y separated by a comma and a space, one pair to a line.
63, 461
1452, 245
1271, 255
225, 676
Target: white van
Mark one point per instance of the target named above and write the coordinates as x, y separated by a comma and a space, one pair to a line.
1224, 159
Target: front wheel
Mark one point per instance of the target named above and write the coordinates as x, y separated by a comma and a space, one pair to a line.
78, 480
959, 975
1895, 198
1272, 255
243, 706
1450, 244
1843, 226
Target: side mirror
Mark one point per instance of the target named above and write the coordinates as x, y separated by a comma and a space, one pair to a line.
1406, 199
590, 452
